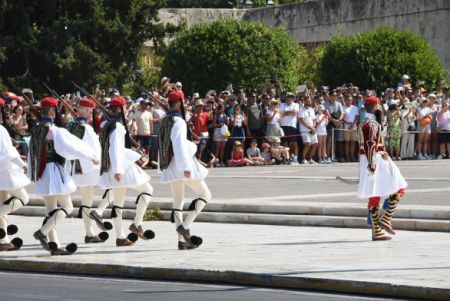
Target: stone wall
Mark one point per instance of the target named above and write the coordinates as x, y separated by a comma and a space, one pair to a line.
318, 21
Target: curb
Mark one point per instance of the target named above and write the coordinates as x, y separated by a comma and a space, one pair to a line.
231, 277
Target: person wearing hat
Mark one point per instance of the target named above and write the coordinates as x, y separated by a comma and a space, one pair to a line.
13, 195
255, 119
180, 168
273, 116
85, 174
50, 147
378, 176
200, 120
118, 171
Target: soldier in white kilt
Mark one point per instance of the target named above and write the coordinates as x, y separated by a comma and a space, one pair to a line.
378, 176
50, 147
13, 195
119, 171
181, 169
86, 174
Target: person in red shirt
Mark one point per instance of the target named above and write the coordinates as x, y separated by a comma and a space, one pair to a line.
200, 121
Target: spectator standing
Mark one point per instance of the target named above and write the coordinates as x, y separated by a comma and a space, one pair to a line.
289, 111
350, 121
321, 130
424, 118
307, 121
444, 130
336, 115
394, 130
143, 123
238, 121
408, 128
199, 122
220, 122
273, 116
255, 117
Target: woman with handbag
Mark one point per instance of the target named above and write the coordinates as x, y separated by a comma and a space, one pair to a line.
424, 118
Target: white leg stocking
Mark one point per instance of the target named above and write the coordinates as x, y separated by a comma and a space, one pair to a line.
178, 203
116, 214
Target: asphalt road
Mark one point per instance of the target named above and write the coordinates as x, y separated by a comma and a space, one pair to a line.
30, 286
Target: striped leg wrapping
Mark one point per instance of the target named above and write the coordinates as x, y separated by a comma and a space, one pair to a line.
390, 211
377, 231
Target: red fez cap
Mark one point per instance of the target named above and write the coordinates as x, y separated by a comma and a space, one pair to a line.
2, 102
175, 96
118, 101
371, 100
86, 102
49, 102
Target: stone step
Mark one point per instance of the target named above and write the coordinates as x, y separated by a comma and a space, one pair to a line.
279, 219
303, 208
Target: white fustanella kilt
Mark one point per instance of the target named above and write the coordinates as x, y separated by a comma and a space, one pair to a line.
385, 181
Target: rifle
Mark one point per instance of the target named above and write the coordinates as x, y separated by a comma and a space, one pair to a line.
65, 104
154, 98
99, 105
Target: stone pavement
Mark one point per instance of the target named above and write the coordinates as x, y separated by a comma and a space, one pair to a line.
413, 264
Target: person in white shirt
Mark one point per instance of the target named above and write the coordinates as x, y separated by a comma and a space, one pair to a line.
351, 117
307, 121
443, 118
289, 111
321, 131
180, 168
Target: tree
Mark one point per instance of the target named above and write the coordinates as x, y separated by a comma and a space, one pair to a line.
226, 51
89, 41
378, 58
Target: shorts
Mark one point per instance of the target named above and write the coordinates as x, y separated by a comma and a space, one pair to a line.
218, 137
144, 140
349, 135
309, 138
423, 129
290, 134
444, 137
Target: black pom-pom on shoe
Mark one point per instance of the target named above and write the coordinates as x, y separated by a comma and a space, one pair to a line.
52, 246
108, 226
149, 234
133, 237
196, 240
103, 236
2, 233
72, 248
12, 229
17, 242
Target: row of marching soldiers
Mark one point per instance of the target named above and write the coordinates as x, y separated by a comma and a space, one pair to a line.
60, 160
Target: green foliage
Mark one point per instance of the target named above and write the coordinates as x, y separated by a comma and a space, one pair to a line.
377, 59
153, 215
226, 51
88, 41
309, 63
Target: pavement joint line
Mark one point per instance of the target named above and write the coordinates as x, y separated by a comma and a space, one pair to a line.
231, 277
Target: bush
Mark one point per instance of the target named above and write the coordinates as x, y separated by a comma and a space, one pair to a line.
245, 54
378, 59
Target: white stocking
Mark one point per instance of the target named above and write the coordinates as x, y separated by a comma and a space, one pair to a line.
201, 190
178, 203
87, 198
119, 200
4, 225
58, 216
104, 203
21, 199
143, 202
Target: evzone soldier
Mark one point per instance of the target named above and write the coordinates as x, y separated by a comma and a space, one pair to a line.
86, 174
180, 168
118, 172
13, 195
378, 176
50, 147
